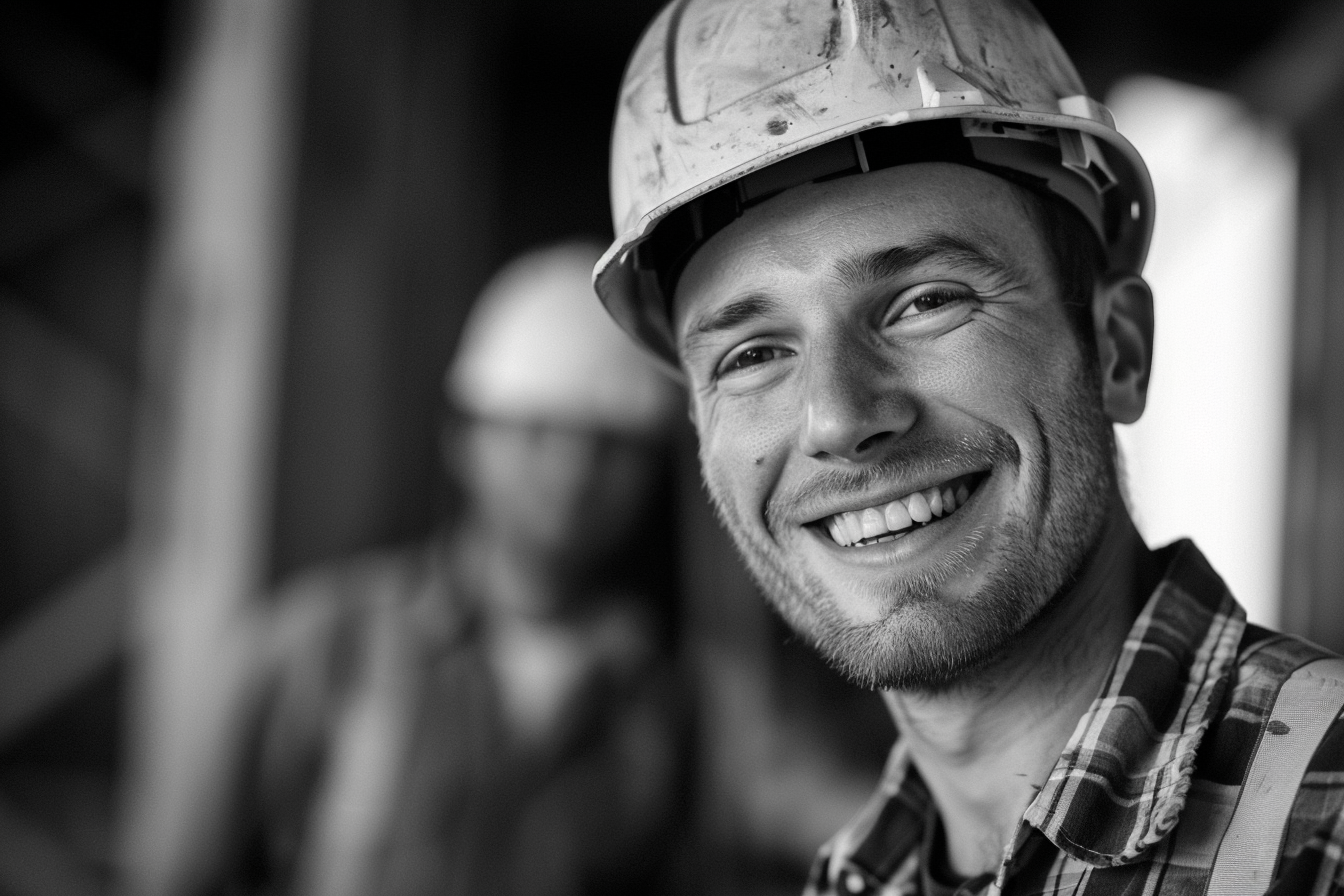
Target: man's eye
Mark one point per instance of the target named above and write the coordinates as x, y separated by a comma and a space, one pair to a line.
932, 299
750, 357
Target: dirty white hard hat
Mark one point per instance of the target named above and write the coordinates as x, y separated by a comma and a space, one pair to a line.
727, 102
537, 348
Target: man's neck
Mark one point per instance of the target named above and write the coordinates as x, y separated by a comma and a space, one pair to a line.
985, 747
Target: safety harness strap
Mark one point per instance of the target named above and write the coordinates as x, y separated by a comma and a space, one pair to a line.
1306, 705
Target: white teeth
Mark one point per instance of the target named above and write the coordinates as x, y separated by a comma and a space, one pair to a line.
873, 523
887, 523
897, 516
919, 508
838, 532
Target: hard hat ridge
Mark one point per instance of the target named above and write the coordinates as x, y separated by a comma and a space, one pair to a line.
727, 102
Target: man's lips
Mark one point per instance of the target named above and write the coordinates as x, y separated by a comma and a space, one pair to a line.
893, 519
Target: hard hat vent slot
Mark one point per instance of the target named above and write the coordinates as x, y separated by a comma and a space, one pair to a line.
942, 87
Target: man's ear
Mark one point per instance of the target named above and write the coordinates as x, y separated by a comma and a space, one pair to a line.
1122, 316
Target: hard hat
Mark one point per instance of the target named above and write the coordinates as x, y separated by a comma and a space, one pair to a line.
727, 102
536, 347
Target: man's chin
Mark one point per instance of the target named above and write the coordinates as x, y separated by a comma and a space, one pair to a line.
930, 640
927, 644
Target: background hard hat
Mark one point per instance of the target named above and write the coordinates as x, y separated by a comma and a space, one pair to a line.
536, 347
718, 90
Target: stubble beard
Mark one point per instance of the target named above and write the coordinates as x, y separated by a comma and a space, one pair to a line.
926, 641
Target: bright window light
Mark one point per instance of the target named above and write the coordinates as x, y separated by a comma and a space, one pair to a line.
1207, 459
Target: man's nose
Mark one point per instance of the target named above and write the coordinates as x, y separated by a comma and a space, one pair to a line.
852, 407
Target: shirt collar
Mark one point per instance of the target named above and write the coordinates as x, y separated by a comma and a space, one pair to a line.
1121, 782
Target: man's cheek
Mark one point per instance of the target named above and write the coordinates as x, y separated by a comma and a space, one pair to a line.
752, 445
730, 469
993, 385
740, 462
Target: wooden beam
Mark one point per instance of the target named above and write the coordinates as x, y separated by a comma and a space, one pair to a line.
201, 502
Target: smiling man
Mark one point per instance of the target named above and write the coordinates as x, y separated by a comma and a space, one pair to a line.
894, 251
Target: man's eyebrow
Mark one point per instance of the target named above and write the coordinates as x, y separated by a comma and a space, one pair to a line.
857, 271
729, 315
873, 267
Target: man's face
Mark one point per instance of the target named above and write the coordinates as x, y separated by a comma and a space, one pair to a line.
568, 493
855, 348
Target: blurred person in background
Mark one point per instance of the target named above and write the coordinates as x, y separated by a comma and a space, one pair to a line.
491, 710
894, 250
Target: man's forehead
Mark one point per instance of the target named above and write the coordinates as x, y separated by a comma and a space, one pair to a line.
823, 229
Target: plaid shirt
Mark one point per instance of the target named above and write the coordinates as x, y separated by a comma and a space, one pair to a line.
1142, 793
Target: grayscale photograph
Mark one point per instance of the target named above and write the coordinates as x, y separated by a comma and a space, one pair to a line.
672, 448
